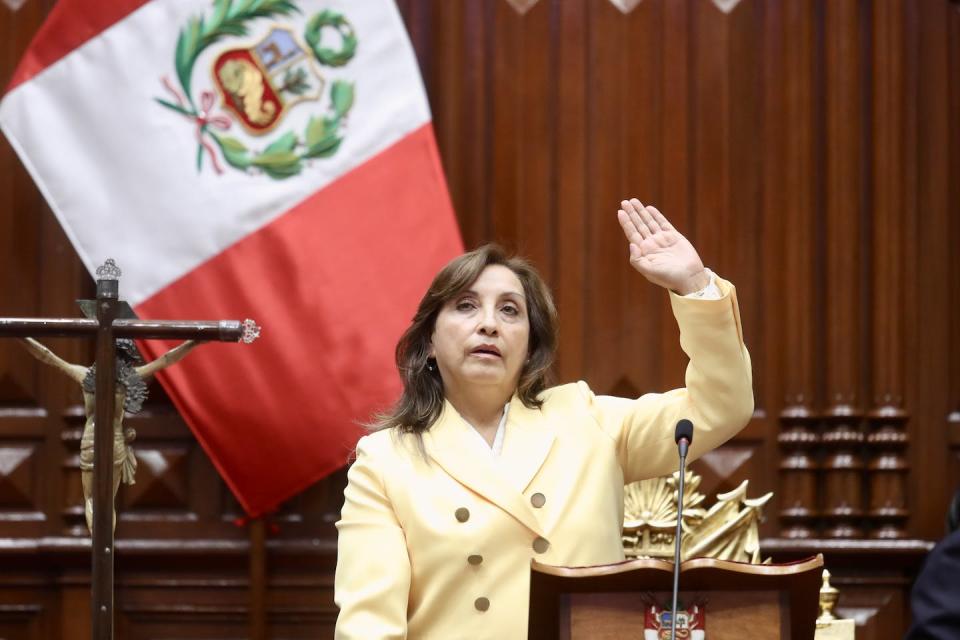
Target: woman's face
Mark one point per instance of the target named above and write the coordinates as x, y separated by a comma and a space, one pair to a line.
482, 334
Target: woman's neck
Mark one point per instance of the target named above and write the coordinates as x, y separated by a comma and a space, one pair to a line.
482, 410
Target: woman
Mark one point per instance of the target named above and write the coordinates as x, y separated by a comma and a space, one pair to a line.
480, 467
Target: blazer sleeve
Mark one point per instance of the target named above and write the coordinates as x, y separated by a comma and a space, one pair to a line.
372, 582
718, 397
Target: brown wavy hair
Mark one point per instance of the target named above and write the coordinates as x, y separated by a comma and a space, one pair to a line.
421, 402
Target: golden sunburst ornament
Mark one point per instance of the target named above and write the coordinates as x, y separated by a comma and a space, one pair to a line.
728, 530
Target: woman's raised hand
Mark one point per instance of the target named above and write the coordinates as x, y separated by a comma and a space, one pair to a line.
660, 252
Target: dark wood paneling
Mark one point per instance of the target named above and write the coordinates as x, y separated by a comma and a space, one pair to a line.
676, 151
873, 578
806, 147
891, 206
930, 245
843, 107
571, 217
953, 208
789, 205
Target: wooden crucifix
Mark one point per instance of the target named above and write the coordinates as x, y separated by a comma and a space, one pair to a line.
107, 328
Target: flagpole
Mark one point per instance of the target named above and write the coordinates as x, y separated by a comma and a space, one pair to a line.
258, 580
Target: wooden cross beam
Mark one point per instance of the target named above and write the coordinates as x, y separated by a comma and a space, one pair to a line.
107, 328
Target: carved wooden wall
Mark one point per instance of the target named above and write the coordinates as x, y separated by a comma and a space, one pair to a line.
808, 148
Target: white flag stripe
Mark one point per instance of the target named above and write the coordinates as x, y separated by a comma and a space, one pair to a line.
161, 218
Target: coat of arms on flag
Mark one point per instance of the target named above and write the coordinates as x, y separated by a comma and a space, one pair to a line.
691, 623
259, 83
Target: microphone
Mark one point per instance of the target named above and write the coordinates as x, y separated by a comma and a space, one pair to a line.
683, 437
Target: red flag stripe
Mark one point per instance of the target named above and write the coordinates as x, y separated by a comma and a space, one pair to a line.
334, 282
70, 24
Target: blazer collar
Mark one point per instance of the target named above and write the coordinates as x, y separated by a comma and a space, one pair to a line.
527, 441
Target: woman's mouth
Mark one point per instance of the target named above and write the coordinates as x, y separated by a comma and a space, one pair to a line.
486, 351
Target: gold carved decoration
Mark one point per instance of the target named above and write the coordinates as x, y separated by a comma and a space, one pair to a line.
727, 531
828, 599
522, 6
829, 626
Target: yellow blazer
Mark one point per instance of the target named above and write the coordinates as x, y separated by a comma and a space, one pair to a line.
440, 546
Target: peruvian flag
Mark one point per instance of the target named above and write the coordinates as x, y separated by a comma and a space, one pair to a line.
264, 159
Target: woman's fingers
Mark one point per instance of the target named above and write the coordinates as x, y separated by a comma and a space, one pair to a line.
642, 223
647, 216
633, 212
660, 219
629, 229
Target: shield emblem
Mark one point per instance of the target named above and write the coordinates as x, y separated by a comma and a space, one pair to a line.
261, 83
691, 623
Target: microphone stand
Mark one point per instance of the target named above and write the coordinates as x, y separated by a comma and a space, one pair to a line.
683, 443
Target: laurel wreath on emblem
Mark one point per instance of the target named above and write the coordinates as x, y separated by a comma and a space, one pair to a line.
284, 156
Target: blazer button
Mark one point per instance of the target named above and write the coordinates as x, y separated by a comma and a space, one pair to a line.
482, 604
475, 559
462, 514
540, 545
538, 500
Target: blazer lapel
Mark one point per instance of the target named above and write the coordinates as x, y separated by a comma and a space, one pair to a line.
448, 443
527, 442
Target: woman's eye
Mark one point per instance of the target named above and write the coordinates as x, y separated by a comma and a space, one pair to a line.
511, 310
464, 305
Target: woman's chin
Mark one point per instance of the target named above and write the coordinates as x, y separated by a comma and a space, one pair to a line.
486, 374
486, 378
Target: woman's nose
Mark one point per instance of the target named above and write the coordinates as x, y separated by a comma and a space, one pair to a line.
488, 322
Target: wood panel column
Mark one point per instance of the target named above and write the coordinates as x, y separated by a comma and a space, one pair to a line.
951, 16
842, 436
790, 196
570, 231
927, 312
892, 170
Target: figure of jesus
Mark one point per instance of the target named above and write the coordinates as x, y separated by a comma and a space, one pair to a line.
131, 390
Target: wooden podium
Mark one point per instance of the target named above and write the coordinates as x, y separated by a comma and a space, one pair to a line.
740, 601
